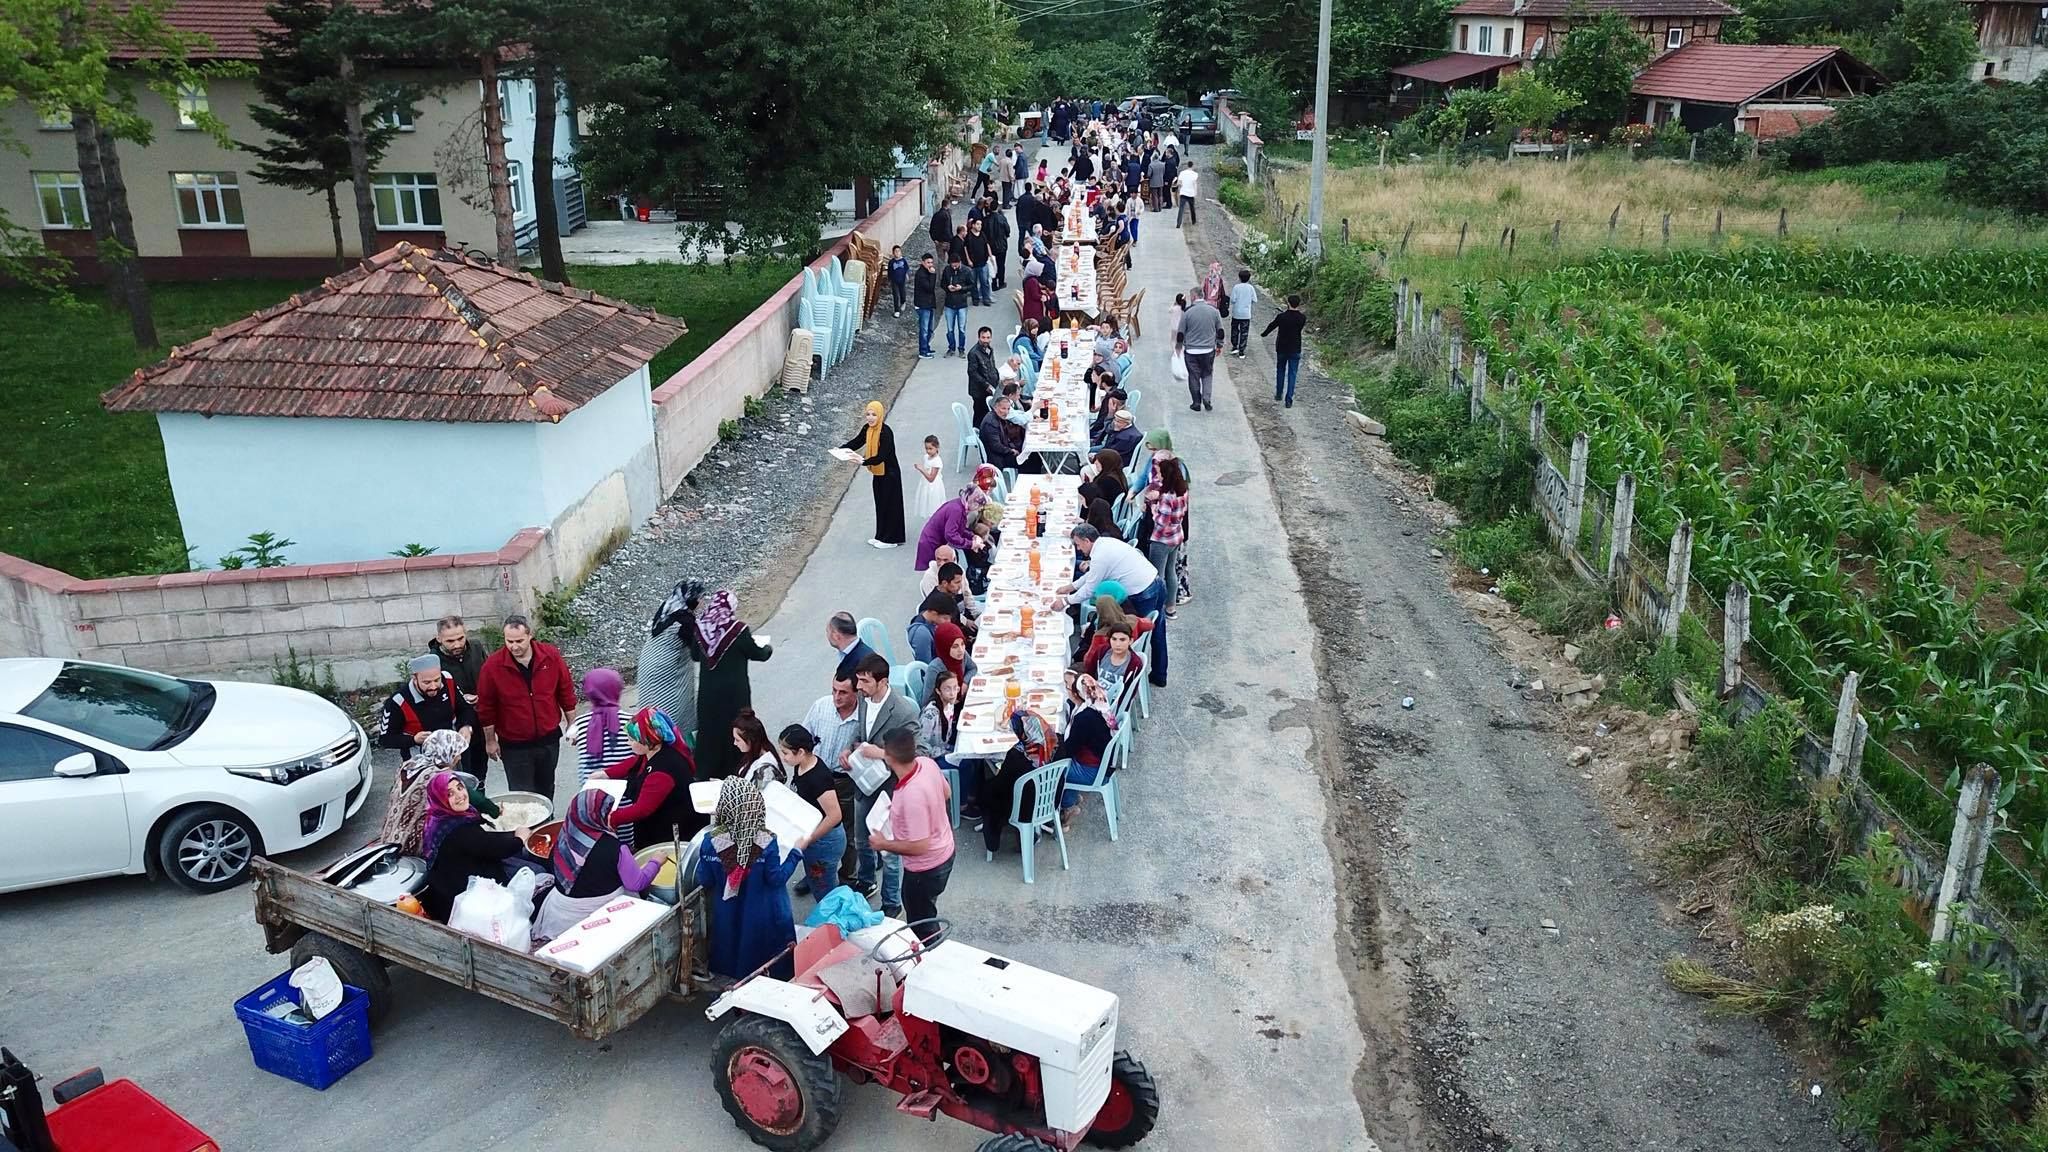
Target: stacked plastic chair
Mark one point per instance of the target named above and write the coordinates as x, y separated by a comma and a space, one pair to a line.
835, 276
816, 315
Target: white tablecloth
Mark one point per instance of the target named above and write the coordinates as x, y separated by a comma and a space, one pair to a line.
1002, 653
1077, 225
1069, 391
1074, 269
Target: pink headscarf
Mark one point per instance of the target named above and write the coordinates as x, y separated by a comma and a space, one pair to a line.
601, 686
442, 819
718, 625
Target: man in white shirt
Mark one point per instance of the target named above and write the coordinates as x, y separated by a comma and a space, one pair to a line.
1190, 184
1110, 559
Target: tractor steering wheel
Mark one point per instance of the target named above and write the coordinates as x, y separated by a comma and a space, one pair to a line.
917, 946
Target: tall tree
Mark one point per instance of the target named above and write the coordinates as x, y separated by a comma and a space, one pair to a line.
304, 110
753, 107
1189, 46
1928, 40
1598, 61
89, 57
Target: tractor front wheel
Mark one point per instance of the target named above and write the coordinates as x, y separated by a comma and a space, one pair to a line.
777, 1092
1131, 1110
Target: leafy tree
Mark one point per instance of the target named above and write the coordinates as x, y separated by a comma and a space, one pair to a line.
303, 110
2006, 164
1110, 69
88, 57
1526, 100
753, 106
1598, 60
1367, 40
1282, 34
1468, 112
1265, 97
1188, 46
1928, 40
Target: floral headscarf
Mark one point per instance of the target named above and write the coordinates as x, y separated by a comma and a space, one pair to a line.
718, 624
652, 726
742, 815
442, 748
441, 819
1036, 737
590, 817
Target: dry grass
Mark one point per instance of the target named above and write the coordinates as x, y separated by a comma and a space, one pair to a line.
1724, 993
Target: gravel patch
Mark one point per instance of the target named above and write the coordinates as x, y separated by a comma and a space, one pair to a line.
750, 505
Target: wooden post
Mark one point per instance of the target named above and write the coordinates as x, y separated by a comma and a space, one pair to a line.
1575, 494
1734, 634
1677, 578
1476, 400
1612, 221
1569, 143
1781, 223
1344, 230
1624, 526
1404, 237
1717, 227
1383, 150
1511, 242
1536, 425
1667, 229
1501, 245
1451, 380
1400, 308
1477, 381
1462, 225
1692, 148
1968, 844
1556, 229
1845, 729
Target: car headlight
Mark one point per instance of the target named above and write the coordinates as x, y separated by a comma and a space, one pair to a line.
286, 772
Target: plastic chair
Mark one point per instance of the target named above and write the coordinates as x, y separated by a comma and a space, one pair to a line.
953, 794
1045, 814
1123, 369
1002, 491
1143, 647
837, 279
824, 323
875, 636
1114, 758
813, 317
1131, 396
917, 683
970, 437
833, 307
852, 279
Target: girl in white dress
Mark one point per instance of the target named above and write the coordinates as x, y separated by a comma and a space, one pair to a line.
932, 492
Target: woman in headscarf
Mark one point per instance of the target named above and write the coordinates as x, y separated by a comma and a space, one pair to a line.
1033, 292
1109, 481
953, 523
745, 879
598, 736
1212, 284
405, 814
1099, 514
949, 654
592, 863
657, 798
724, 646
459, 847
1036, 741
667, 678
875, 443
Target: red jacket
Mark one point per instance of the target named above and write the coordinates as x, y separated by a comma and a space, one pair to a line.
520, 707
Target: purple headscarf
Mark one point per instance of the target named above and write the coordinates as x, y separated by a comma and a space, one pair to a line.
601, 686
441, 819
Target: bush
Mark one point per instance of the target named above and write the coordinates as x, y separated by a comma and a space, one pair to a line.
1495, 547
1240, 198
1350, 296
289, 671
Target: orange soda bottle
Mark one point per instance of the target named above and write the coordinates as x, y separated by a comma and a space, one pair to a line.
1034, 562
1011, 693
1031, 516
1024, 617
1052, 411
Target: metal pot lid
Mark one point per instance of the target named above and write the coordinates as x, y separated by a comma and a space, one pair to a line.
406, 874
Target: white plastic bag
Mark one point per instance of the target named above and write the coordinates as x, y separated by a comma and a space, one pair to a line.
1180, 367
319, 988
492, 911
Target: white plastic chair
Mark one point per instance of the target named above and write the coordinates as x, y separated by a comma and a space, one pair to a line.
1045, 814
875, 636
1143, 647
970, 437
1114, 758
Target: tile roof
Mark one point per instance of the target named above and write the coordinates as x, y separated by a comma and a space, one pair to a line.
1726, 73
1553, 9
411, 334
232, 25
1456, 66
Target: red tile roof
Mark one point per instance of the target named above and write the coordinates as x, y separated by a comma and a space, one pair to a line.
1456, 66
1726, 73
412, 334
231, 25
1553, 9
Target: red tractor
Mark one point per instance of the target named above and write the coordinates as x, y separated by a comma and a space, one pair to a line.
1006, 1047
91, 1116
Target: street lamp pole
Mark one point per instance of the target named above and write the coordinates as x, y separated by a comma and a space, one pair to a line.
1319, 147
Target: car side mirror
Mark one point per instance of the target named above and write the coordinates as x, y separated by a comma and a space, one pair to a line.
77, 766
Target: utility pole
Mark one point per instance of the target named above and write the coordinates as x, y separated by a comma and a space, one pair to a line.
1319, 148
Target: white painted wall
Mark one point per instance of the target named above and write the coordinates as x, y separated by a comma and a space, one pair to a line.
613, 433
1497, 30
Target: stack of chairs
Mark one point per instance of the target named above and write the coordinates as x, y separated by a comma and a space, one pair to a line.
829, 316
864, 251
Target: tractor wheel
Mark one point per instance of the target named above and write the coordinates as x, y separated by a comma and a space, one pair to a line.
356, 968
1015, 1142
776, 1091
1131, 1110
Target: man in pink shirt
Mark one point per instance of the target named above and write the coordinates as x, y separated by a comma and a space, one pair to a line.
920, 830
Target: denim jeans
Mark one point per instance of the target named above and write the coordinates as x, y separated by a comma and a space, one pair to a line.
925, 319
1285, 376
1078, 773
891, 866
983, 277
956, 329
1152, 599
821, 861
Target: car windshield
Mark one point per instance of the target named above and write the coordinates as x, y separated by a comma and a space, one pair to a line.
123, 706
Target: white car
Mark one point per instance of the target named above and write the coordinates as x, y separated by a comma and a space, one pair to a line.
107, 770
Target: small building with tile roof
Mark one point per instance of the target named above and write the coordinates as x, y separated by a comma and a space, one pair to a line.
1763, 90
421, 398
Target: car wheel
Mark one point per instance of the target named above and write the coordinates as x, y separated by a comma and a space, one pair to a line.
207, 849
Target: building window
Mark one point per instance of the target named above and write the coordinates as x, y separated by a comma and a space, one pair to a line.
62, 197
1464, 37
1486, 39
504, 101
54, 120
1988, 66
208, 199
396, 115
1673, 37
406, 199
1507, 41
191, 102
515, 178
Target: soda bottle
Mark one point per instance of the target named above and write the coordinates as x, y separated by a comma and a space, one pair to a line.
1052, 414
1024, 614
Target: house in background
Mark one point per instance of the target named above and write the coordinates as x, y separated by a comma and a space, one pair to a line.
1431, 82
1764, 90
2012, 40
420, 398
200, 212
1527, 29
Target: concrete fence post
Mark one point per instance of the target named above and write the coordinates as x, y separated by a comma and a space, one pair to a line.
1734, 634
1677, 578
1575, 493
1477, 382
1624, 526
1400, 308
1457, 358
1415, 314
1968, 845
1845, 729
1476, 401
1536, 425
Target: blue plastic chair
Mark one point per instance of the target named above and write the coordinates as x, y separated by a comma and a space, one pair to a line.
874, 635
851, 276
1123, 369
1004, 478
815, 317
1045, 814
1131, 400
832, 310
837, 283
970, 437
952, 794
914, 680
1114, 758
1143, 647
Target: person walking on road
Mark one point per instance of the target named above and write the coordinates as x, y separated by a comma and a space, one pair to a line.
1287, 348
942, 230
1189, 182
924, 295
1155, 183
997, 226
899, 277
1201, 330
524, 696
1243, 297
958, 286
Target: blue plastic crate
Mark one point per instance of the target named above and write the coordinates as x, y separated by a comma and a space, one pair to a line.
315, 1055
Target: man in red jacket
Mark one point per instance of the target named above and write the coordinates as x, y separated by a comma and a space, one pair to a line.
523, 696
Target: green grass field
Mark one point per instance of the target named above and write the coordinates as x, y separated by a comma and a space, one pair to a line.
85, 490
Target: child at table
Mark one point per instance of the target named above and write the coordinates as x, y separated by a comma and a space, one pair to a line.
932, 492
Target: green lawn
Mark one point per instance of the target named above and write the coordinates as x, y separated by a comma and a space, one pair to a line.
85, 490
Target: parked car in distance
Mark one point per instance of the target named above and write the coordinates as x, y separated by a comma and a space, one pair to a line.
1198, 125
106, 770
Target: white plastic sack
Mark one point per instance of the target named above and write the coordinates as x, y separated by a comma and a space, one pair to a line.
319, 988
1180, 367
496, 912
